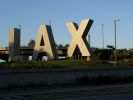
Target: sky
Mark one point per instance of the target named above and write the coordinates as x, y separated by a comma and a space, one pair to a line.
30, 14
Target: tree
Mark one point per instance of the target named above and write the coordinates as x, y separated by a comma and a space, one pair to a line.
111, 47
31, 43
104, 54
67, 45
60, 45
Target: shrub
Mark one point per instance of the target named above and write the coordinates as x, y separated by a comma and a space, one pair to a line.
85, 80
104, 54
130, 62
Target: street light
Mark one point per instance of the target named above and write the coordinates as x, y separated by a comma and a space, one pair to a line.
88, 39
20, 28
116, 20
103, 34
50, 23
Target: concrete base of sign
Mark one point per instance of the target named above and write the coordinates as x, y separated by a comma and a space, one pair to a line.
20, 58
88, 58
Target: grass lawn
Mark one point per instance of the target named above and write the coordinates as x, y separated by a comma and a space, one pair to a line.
93, 64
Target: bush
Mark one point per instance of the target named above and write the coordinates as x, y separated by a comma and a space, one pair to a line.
54, 64
85, 80
130, 62
104, 54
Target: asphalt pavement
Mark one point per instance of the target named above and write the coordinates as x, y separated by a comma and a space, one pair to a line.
106, 92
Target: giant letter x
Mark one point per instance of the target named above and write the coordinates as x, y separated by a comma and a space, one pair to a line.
79, 37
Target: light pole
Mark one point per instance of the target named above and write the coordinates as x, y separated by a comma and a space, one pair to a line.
103, 34
116, 20
88, 39
50, 23
20, 28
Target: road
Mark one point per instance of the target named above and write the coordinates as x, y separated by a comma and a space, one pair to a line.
108, 92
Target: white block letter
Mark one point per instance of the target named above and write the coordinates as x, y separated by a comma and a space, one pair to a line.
79, 37
45, 43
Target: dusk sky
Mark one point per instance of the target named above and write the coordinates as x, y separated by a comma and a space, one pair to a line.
32, 13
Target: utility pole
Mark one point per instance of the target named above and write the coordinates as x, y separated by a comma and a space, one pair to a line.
103, 34
88, 39
19, 27
115, 21
50, 23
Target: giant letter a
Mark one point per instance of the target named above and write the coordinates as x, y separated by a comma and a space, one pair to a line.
45, 44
